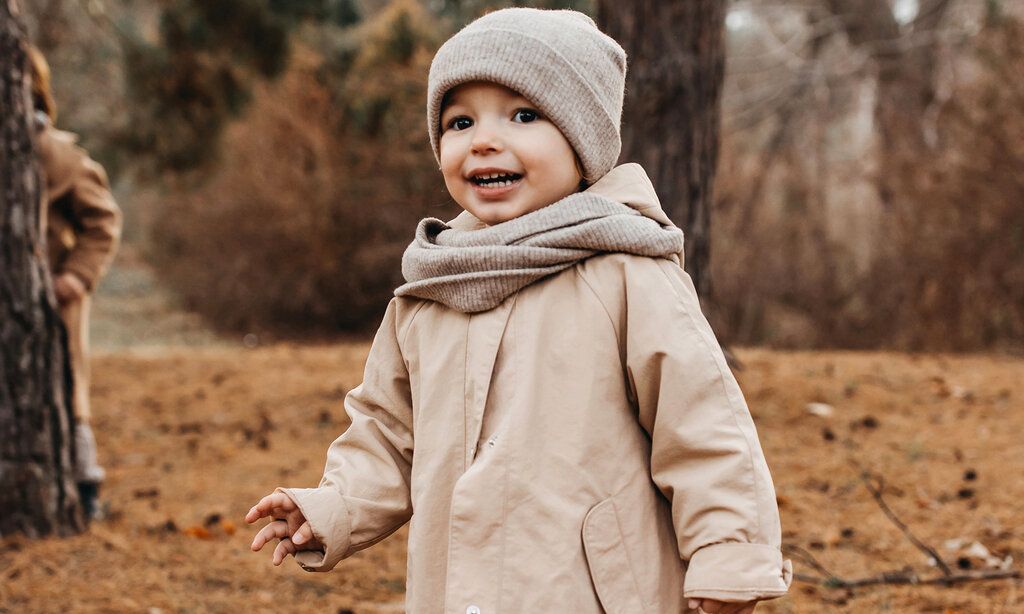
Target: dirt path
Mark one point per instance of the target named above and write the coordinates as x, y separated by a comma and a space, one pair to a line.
131, 310
193, 436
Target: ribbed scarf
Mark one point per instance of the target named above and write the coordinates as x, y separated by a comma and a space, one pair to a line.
475, 270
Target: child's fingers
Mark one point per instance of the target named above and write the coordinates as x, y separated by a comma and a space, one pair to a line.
731, 608
277, 504
284, 548
711, 606
277, 529
304, 535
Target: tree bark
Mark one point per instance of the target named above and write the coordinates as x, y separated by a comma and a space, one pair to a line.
672, 115
37, 490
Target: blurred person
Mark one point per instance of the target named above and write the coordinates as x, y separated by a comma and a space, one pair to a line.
82, 227
544, 399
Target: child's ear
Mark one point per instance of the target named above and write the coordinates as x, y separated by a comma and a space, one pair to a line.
579, 169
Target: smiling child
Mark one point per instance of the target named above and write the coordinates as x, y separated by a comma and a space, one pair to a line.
544, 402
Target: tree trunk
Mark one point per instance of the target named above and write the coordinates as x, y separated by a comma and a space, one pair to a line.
672, 114
907, 60
37, 490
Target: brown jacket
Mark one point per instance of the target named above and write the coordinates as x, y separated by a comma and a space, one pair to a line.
83, 223
582, 447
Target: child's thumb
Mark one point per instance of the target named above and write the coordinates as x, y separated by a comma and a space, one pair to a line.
302, 535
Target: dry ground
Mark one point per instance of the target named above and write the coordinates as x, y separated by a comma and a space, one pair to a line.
192, 437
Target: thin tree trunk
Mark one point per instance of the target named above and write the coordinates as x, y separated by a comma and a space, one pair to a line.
907, 60
37, 490
672, 115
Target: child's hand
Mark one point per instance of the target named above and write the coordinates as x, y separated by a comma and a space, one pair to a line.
289, 526
721, 607
68, 287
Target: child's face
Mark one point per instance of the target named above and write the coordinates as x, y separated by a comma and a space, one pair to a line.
489, 129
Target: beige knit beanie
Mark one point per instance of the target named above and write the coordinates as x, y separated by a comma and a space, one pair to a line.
559, 60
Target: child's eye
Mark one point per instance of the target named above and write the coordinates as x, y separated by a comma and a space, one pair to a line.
460, 123
525, 116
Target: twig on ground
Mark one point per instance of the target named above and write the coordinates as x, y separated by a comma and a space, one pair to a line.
809, 559
909, 577
875, 485
876, 491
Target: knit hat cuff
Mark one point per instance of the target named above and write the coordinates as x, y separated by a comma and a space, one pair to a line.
488, 56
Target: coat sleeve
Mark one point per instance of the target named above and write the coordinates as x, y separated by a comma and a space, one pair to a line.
80, 181
705, 454
364, 494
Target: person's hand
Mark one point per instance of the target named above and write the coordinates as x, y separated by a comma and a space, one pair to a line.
68, 288
712, 606
289, 526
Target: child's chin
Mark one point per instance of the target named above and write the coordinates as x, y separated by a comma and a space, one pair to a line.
491, 221
495, 214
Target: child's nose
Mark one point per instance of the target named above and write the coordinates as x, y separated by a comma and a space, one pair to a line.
486, 139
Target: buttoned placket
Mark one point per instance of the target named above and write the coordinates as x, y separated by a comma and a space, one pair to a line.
483, 340
484, 333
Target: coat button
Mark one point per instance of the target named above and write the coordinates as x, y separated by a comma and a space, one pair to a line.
472, 610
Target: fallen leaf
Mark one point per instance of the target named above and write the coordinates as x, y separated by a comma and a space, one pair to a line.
822, 410
954, 544
199, 532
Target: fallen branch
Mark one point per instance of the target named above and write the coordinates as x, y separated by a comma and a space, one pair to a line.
808, 558
876, 492
875, 485
909, 577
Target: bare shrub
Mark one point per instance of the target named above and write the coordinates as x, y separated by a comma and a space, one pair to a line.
301, 226
946, 269
953, 269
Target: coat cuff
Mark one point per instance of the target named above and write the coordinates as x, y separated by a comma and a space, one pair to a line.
327, 513
737, 572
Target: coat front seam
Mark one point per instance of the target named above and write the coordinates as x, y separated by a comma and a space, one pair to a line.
604, 307
466, 385
511, 328
408, 327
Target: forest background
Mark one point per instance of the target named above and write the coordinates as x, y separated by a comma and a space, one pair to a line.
272, 161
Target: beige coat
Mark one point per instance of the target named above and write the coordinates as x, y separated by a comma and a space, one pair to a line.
568, 451
82, 224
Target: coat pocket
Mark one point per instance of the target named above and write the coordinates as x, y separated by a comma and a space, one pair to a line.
609, 564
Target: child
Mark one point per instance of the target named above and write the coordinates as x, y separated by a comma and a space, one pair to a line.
83, 228
544, 392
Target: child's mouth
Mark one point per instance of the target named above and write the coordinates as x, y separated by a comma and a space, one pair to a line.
493, 185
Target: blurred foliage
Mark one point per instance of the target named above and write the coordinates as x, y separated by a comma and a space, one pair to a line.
945, 259
320, 186
953, 274
198, 74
